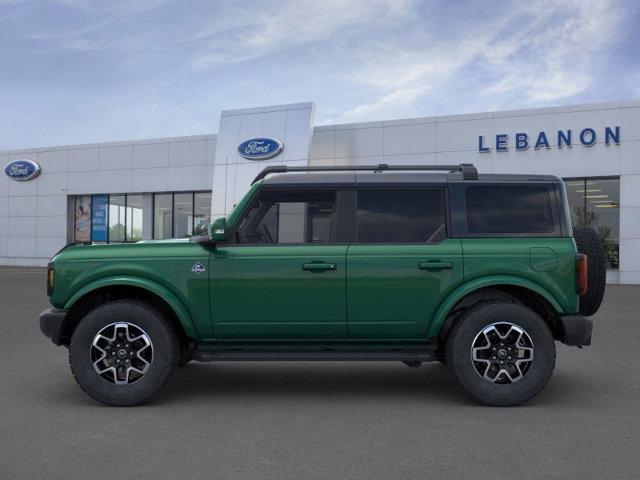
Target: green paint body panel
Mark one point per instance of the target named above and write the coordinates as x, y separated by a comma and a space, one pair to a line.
390, 296
264, 292
376, 295
162, 267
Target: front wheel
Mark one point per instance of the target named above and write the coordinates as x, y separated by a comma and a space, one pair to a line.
122, 352
502, 353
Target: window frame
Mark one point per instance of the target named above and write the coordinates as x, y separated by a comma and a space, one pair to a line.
444, 191
232, 232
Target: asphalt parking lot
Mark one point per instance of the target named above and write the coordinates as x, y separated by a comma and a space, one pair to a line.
317, 420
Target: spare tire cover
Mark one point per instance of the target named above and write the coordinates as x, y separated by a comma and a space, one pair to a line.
589, 243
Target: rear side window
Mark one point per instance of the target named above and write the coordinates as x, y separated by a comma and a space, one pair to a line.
401, 216
509, 209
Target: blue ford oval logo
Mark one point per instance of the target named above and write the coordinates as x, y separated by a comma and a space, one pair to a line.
22, 170
260, 148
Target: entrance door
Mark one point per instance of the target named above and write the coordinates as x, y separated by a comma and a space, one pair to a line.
281, 277
401, 264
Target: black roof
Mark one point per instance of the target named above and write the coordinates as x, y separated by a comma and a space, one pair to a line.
352, 179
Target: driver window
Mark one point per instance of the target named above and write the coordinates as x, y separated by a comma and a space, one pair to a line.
289, 218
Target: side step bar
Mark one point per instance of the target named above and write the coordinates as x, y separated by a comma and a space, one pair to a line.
422, 355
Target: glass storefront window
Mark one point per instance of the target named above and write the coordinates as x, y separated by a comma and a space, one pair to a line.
201, 212
117, 218
182, 215
82, 219
595, 203
162, 215
134, 218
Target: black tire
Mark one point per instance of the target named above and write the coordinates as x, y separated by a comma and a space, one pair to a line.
165, 351
589, 242
471, 324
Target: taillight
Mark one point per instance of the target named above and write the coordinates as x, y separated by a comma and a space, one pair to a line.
51, 276
581, 274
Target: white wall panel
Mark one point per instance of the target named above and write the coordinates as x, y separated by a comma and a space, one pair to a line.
83, 159
419, 138
22, 227
21, 207
52, 161
51, 205
188, 153
52, 183
117, 157
150, 180
21, 246
47, 247
52, 226
151, 155
358, 142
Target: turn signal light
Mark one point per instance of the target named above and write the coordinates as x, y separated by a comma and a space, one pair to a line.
51, 274
581, 274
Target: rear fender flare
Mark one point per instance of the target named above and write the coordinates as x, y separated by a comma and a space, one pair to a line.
462, 291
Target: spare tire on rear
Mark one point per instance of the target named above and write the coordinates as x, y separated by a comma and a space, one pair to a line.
589, 243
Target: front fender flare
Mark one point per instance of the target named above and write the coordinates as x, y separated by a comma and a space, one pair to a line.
176, 305
462, 291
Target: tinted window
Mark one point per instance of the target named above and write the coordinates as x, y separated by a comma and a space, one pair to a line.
289, 217
509, 209
401, 216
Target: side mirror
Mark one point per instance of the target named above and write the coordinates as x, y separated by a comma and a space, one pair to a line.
218, 230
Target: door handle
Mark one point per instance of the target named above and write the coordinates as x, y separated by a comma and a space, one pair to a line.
319, 266
435, 266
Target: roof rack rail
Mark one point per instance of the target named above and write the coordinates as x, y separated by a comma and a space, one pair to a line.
468, 170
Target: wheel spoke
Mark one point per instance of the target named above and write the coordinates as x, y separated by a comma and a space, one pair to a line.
114, 350
502, 353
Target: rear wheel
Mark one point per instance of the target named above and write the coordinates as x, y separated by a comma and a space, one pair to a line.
502, 353
122, 352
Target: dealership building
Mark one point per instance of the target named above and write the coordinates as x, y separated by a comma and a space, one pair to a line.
171, 187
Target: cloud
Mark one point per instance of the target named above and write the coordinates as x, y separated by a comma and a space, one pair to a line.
542, 52
288, 24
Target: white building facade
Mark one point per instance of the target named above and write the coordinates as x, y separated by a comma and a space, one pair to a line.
171, 187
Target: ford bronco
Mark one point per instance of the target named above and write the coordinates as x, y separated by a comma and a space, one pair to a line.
377, 263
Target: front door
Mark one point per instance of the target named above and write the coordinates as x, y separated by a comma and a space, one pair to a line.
401, 264
281, 277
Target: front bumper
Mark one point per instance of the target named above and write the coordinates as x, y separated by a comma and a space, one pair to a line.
577, 330
51, 322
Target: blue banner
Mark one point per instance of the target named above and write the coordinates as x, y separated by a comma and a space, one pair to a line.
99, 206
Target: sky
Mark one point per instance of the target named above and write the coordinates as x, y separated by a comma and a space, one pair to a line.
80, 71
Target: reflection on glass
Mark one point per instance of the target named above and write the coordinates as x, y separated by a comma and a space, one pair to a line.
117, 216
201, 213
595, 203
183, 215
162, 215
134, 218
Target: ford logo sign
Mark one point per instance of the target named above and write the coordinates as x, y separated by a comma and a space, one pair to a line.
260, 148
22, 170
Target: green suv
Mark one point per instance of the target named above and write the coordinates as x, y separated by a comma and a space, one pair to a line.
398, 263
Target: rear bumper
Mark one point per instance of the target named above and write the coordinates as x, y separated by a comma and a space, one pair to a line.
51, 321
577, 330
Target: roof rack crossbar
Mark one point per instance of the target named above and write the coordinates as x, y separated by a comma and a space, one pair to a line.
468, 170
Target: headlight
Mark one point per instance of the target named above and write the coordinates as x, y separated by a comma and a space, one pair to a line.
51, 277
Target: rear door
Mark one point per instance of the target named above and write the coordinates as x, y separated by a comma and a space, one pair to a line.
402, 263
